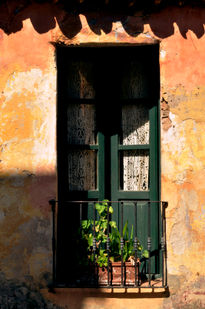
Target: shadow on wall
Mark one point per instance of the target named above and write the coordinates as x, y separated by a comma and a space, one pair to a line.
26, 226
44, 17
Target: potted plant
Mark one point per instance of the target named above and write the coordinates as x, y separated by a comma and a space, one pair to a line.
118, 262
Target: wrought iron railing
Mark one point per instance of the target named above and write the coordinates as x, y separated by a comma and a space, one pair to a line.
147, 267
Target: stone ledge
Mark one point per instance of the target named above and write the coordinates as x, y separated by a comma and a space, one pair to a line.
88, 298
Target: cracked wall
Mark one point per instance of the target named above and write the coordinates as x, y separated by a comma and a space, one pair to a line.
28, 132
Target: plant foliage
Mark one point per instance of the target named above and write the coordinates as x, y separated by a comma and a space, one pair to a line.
101, 229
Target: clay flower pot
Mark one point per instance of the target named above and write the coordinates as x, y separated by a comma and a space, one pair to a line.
115, 271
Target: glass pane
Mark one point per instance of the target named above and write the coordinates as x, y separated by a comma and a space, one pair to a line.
135, 125
136, 81
81, 124
134, 170
82, 167
80, 82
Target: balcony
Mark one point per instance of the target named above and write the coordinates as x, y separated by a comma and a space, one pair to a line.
109, 244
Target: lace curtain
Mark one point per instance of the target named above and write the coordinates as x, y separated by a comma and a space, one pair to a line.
82, 164
135, 170
81, 124
135, 125
135, 131
82, 170
81, 130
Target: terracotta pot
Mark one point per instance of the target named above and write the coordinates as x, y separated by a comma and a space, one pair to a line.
115, 271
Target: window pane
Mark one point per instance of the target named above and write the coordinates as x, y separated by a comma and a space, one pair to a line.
81, 124
80, 80
135, 125
82, 166
134, 170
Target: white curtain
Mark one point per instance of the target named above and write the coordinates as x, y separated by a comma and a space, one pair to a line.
135, 131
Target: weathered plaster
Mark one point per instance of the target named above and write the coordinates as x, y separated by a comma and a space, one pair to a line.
102, 298
28, 155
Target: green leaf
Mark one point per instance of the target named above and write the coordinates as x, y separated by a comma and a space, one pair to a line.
90, 240
102, 252
97, 205
113, 224
84, 224
139, 247
145, 253
132, 232
104, 224
125, 231
101, 209
112, 259
105, 202
111, 210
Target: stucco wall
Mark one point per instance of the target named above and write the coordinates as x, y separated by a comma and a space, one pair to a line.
28, 145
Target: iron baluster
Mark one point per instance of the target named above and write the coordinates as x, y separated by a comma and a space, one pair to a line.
108, 246
135, 246
165, 205
149, 243
81, 217
94, 240
53, 207
162, 243
121, 243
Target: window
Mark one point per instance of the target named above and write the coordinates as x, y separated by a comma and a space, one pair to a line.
107, 143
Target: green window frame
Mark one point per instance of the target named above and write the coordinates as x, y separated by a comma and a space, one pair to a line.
108, 147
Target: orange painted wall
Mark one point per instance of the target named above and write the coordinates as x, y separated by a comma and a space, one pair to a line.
28, 136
